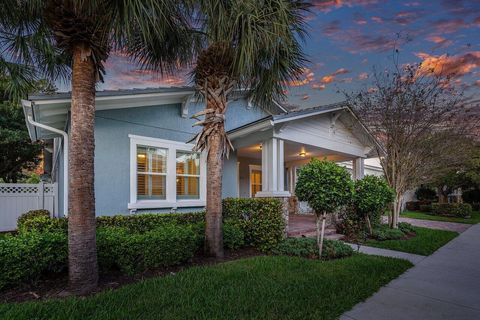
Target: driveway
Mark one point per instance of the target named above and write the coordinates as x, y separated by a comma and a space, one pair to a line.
445, 285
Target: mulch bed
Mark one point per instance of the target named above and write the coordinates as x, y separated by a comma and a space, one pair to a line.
55, 286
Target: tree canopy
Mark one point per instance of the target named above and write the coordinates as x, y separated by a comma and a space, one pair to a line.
325, 185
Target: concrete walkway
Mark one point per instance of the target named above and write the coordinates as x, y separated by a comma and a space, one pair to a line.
440, 225
413, 258
445, 285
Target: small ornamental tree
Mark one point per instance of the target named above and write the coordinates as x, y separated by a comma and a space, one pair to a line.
372, 195
326, 187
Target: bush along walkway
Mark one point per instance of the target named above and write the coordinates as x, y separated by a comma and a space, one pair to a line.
442, 286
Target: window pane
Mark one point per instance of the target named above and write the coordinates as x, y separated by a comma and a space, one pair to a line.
151, 187
188, 187
150, 159
255, 181
188, 163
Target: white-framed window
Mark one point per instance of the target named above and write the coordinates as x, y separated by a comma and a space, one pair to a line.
165, 174
255, 176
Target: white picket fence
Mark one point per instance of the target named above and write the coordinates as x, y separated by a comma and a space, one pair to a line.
18, 198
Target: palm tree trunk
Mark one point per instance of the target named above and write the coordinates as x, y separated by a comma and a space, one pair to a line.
83, 268
213, 229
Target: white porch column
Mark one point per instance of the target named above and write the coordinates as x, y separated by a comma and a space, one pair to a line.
358, 168
273, 176
273, 169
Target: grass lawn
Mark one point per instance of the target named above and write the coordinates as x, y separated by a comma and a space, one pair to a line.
475, 218
426, 242
266, 287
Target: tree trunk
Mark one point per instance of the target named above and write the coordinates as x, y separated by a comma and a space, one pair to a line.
213, 217
397, 207
369, 225
320, 232
83, 268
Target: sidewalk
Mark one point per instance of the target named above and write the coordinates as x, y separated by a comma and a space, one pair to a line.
413, 258
445, 285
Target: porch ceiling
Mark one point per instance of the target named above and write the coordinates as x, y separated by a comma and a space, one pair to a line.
294, 152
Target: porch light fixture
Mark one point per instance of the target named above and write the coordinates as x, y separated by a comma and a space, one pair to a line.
302, 154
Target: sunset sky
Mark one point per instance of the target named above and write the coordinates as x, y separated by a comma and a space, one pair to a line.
349, 38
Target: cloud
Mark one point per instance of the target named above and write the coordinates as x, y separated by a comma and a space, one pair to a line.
329, 78
406, 17
440, 41
331, 28
329, 5
122, 73
359, 19
305, 97
363, 76
306, 77
318, 86
367, 42
449, 26
377, 19
445, 65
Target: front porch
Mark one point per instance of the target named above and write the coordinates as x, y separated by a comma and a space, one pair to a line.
272, 150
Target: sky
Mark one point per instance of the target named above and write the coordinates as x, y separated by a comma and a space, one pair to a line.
348, 39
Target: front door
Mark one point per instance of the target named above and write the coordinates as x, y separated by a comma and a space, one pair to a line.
255, 180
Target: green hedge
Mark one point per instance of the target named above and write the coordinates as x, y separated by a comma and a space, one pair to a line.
261, 220
34, 221
307, 248
461, 210
136, 252
27, 257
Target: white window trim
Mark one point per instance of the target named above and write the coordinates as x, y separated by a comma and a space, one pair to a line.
171, 184
252, 167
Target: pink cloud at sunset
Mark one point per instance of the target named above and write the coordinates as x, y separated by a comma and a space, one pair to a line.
363, 76
306, 77
440, 41
457, 66
329, 5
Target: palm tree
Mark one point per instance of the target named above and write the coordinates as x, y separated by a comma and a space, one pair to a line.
86, 31
253, 44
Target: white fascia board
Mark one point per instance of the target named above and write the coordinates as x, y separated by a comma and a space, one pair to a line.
261, 126
306, 115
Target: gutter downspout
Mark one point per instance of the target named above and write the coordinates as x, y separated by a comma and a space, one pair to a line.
65, 159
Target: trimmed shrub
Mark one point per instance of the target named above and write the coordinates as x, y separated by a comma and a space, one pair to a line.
31, 215
425, 207
406, 227
461, 210
260, 219
307, 248
415, 205
136, 252
384, 232
426, 193
233, 236
43, 224
371, 197
26, 257
149, 221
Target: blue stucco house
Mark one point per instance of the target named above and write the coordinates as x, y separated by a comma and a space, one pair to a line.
143, 163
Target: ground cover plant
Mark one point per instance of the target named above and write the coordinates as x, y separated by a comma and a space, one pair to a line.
474, 217
425, 242
267, 287
307, 248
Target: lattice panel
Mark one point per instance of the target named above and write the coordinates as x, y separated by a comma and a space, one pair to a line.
19, 189
48, 189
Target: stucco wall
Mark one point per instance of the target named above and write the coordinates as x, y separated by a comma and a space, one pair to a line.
112, 147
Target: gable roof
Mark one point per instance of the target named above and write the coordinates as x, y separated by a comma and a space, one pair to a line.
271, 121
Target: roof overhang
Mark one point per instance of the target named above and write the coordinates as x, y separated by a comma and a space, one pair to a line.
53, 110
258, 129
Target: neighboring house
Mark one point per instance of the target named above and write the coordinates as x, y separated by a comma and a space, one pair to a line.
143, 163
